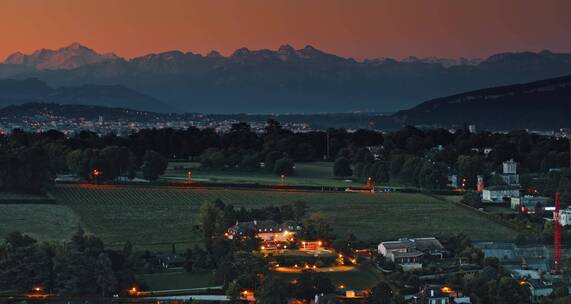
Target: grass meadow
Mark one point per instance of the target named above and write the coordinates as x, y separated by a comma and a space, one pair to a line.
158, 216
311, 173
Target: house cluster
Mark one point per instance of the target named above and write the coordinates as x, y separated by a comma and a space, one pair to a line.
434, 294
528, 203
272, 233
409, 253
528, 264
509, 189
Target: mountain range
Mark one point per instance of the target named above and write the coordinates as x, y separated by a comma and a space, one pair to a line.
73, 56
286, 80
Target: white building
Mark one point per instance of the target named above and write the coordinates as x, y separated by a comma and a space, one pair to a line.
565, 217
497, 195
409, 253
509, 167
509, 173
529, 202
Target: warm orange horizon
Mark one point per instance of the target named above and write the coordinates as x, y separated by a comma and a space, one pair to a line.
358, 29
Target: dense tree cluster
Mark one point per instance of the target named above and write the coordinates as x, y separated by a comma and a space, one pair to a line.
410, 157
24, 169
83, 267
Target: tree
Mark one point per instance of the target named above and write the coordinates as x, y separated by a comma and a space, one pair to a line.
73, 161
248, 268
433, 176
213, 158
470, 167
380, 294
24, 265
271, 159
250, 161
212, 220
234, 292
508, 291
284, 166
316, 227
78, 240
342, 167
188, 260
299, 210
104, 277
154, 165
310, 284
24, 169
273, 290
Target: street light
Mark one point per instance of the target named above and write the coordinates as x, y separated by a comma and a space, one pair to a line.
96, 173
282, 177
189, 176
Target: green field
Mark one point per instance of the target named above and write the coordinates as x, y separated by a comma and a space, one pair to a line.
157, 216
41, 221
312, 173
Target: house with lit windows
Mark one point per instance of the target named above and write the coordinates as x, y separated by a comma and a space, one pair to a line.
268, 230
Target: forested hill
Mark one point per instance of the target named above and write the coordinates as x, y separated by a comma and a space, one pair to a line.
544, 104
14, 92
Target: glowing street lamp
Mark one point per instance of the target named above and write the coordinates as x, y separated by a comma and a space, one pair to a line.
96, 173
133, 291
189, 174
282, 178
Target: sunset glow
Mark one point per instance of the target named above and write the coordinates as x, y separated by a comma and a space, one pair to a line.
359, 29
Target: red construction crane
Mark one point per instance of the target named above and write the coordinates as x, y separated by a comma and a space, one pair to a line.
556, 238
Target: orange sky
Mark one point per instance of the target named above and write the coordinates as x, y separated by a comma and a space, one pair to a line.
353, 28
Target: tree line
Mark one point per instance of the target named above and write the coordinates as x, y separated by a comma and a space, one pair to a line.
82, 266
410, 156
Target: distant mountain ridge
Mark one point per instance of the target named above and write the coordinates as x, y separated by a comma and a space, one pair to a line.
15, 92
544, 104
289, 80
70, 57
